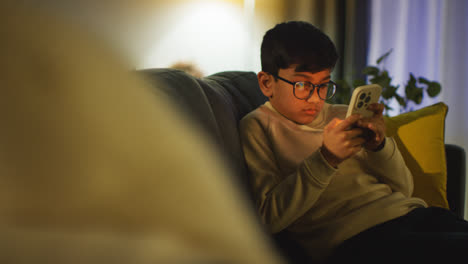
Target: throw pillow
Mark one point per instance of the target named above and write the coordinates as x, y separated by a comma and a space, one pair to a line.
420, 137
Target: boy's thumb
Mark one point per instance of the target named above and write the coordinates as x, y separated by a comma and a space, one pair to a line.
335, 121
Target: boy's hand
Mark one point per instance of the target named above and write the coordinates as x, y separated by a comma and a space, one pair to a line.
340, 142
375, 125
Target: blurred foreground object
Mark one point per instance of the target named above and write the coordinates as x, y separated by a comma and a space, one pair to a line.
97, 169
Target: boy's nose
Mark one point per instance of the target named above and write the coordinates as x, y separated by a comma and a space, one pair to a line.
314, 98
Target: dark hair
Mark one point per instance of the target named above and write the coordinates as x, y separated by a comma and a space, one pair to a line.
297, 42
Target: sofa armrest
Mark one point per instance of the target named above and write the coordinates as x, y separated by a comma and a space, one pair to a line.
456, 178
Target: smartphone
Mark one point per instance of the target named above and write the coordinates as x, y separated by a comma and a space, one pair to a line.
362, 97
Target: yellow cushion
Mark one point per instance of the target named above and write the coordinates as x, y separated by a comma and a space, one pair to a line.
420, 138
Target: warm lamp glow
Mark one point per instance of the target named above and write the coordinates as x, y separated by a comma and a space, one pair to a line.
213, 35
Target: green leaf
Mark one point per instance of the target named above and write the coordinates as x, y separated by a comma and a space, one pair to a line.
424, 80
371, 70
410, 90
419, 96
359, 82
383, 57
387, 107
400, 100
433, 89
389, 92
413, 92
383, 79
412, 79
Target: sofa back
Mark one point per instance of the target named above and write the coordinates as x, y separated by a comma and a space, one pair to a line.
216, 104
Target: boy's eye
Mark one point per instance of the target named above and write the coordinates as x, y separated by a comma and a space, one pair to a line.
300, 86
303, 86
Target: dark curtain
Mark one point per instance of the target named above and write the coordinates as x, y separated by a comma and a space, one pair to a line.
347, 24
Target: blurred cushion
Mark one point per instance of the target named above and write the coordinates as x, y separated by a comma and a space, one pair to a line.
420, 138
96, 168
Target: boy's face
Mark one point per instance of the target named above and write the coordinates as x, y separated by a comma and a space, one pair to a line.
282, 97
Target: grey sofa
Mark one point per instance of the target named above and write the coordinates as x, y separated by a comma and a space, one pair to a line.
216, 103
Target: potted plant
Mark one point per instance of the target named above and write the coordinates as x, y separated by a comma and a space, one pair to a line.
415, 88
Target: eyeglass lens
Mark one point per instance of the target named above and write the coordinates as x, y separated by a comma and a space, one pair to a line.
303, 90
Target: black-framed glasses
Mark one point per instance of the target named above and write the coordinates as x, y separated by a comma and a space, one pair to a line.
305, 90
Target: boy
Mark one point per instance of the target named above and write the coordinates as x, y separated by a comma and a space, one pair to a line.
315, 176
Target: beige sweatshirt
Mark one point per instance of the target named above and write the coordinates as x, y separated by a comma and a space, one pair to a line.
298, 191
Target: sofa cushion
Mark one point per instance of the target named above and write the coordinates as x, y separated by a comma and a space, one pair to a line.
420, 138
184, 91
244, 89
215, 103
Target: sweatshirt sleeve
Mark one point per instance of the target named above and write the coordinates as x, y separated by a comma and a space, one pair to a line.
389, 167
281, 199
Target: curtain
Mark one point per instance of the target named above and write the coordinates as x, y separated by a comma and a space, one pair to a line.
429, 38
412, 30
346, 23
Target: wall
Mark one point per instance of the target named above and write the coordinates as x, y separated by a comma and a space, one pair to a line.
215, 35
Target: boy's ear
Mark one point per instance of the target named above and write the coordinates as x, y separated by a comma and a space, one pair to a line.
266, 81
